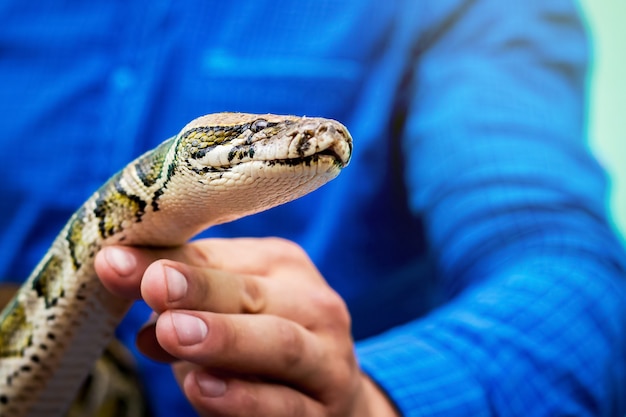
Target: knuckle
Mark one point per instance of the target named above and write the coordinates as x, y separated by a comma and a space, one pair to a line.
285, 249
346, 376
294, 405
248, 402
333, 307
198, 254
223, 340
252, 297
291, 344
349, 372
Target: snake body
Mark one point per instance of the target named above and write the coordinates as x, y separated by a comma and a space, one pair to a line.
220, 167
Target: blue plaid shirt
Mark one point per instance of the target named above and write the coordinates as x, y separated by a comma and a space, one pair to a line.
469, 236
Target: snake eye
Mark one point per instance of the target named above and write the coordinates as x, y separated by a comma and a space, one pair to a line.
258, 125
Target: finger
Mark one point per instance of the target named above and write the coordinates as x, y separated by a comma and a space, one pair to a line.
263, 345
120, 268
147, 343
251, 344
231, 397
172, 285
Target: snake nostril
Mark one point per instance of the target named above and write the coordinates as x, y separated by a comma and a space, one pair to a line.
326, 128
303, 143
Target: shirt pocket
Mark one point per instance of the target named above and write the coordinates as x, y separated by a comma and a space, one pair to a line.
301, 85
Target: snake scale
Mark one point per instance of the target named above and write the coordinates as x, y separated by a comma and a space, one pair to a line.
220, 167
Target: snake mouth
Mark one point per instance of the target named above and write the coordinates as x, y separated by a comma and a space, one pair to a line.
339, 158
336, 155
327, 157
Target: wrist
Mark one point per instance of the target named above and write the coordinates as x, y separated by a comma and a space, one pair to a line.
374, 402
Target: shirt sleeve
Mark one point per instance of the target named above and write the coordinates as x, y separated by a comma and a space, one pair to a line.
514, 205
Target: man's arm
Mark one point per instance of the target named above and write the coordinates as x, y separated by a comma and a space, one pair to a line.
514, 208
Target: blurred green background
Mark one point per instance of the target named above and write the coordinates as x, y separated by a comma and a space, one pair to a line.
607, 119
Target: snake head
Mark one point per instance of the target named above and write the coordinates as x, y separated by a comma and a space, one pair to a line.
255, 161
219, 142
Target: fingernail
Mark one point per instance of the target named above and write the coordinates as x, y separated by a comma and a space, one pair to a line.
122, 262
209, 385
176, 284
189, 329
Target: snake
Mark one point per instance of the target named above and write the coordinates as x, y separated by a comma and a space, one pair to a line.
218, 168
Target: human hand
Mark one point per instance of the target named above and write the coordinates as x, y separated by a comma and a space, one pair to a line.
251, 326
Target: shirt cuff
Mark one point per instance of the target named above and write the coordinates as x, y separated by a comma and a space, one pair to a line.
420, 380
